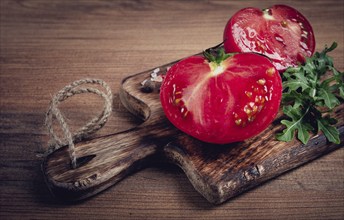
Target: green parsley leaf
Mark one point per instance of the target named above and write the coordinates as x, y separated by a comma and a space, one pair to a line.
297, 123
309, 91
330, 100
329, 131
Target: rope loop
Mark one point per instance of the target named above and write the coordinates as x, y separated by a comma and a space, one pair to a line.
90, 127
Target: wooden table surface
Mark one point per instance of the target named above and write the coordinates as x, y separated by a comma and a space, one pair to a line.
45, 45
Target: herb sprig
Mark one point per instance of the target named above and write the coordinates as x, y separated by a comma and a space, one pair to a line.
308, 94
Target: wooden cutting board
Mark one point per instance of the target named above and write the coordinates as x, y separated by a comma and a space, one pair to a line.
218, 172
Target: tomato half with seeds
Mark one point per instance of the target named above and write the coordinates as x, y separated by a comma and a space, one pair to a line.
222, 102
280, 32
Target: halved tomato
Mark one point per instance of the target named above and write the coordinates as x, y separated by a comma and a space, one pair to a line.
222, 102
280, 32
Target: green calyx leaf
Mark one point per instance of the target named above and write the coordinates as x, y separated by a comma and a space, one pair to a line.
216, 55
315, 85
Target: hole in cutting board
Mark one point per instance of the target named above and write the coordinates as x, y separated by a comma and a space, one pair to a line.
83, 160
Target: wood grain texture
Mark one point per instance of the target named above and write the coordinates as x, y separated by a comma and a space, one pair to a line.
45, 45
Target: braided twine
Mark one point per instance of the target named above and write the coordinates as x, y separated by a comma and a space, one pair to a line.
93, 125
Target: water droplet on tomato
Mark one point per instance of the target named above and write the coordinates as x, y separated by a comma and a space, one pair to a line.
304, 45
301, 25
183, 111
304, 34
279, 39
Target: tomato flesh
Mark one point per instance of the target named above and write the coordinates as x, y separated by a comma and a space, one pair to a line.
222, 103
280, 32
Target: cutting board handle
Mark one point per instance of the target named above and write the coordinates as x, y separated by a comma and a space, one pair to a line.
101, 163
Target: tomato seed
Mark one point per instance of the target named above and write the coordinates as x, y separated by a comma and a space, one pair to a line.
255, 109
176, 101
270, 71
261, 81
260, 46
238, 121
247, 110
248, 94
259, 99
251, 118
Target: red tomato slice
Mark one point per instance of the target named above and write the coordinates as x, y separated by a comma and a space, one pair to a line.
222, 103
281, 33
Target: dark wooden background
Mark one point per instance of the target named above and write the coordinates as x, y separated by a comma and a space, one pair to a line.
45, 45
